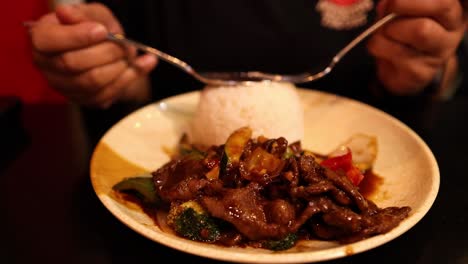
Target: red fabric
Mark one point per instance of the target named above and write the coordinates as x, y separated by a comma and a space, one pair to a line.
18, 75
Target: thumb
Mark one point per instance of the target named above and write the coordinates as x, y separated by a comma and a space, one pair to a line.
73, 14
70, 14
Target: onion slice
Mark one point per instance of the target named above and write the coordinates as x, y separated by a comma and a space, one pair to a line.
363, 148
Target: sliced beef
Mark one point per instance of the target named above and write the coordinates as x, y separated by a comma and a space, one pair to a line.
244, 208
180, 179
270, 193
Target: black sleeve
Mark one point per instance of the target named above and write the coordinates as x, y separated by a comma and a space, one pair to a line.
133, 17
463, 66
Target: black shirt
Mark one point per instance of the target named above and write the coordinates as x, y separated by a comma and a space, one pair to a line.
268, 35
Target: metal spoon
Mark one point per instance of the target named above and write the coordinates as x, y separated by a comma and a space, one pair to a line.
233, 78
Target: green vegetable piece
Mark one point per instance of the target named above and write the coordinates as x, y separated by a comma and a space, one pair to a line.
193, 153
277, 245
191, 221
288, 153
142, 186
187, 149
235, 144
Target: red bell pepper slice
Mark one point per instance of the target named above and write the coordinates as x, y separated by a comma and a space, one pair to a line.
344, 163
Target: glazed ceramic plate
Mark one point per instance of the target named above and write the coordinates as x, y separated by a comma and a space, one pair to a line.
142, 141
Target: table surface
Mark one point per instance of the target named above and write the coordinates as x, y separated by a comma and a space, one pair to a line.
50, 213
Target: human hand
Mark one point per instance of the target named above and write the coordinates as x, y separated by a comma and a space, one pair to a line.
70, 48
412, 49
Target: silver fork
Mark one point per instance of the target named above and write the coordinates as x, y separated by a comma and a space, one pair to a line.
233, 78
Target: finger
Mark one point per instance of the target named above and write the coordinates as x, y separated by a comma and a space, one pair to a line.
121, 88
400, 82
101, 13
96, 78
114, 91
77, 61
402, 69
422, 34
388, 49
83, 89
82, 92
447, 12
48, 18
70, 14
383, 48
53, 38
145, 63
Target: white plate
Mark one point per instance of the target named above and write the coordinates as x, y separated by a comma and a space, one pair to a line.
140, 143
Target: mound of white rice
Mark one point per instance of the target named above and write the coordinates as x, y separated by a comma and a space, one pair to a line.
271, 109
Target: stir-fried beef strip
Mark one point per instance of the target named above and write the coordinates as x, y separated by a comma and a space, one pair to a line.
268, 195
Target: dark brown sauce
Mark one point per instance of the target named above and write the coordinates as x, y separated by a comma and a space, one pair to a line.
370, 184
